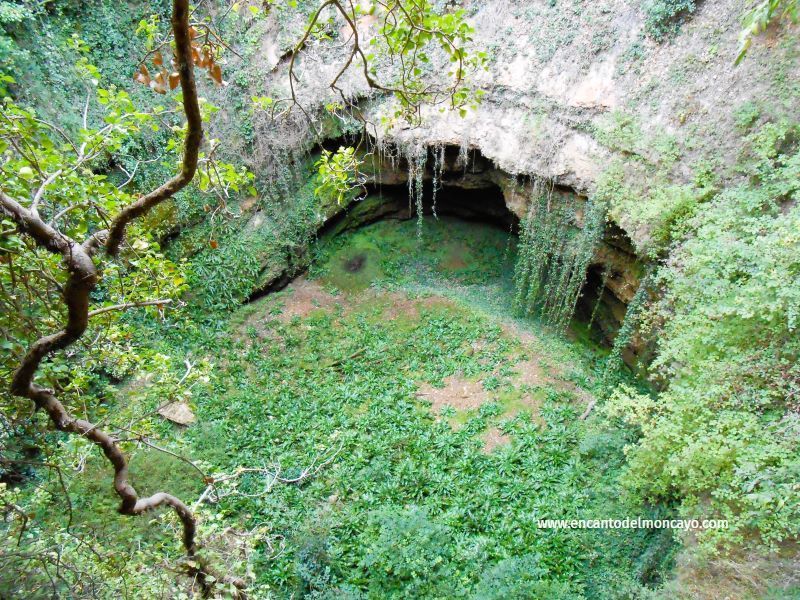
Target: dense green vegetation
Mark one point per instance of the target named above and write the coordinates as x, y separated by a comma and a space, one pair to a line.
407, 503
394, 424
664, 17
723, 435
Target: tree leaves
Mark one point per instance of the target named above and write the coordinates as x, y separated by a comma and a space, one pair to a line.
760, 16
205, 55
339, 176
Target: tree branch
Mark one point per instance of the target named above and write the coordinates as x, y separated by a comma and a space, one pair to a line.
82, 280
194, 133
127, 305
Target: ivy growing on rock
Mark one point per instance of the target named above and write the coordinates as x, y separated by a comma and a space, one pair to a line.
557, 240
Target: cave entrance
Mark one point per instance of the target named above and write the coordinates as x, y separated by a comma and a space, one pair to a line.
460, 184
599, 311
391, 201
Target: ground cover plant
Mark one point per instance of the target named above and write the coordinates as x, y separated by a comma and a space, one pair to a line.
534, 416
325, 378
294, 404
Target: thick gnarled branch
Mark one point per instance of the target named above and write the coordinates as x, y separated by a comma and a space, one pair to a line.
82, 280
194, 133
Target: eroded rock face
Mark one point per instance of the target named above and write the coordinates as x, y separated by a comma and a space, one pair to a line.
558, 75
561, 76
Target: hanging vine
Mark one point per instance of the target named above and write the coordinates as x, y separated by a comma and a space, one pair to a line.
634, 322
603, 282
438, 168
463, 155
416, 156
553, 254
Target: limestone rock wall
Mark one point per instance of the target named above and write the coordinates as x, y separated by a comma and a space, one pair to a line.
572, 87
560, 73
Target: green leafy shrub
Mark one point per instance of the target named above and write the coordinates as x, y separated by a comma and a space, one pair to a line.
522, 578
658, 215
723, 438
339, 175
663, 18
746, 115
412, 556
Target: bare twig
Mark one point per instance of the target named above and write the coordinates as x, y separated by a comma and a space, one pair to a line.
588, 410
214, 492
37, 197
127, 305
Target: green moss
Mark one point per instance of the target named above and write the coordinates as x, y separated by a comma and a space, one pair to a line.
523, 399
354, 268
746, 115
663, 18
620, 132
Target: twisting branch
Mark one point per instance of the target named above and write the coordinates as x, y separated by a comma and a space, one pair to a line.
82, 280
194, 133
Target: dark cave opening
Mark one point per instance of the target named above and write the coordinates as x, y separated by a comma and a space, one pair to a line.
599, 312
470, 187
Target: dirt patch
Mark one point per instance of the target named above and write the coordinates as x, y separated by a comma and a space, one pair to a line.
458, 392
454, 261
526, 337
304, 297
530, 372
492, 438
401, 305
300, 299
